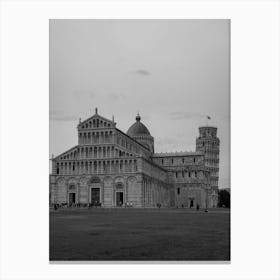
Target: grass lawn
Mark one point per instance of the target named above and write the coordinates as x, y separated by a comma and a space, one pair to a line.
139, 234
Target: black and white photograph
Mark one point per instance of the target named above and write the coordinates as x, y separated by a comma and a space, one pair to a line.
139, 140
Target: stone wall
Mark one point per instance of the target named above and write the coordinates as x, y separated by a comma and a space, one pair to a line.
138, 190
185, 193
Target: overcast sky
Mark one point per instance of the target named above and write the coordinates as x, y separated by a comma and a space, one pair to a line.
174, 72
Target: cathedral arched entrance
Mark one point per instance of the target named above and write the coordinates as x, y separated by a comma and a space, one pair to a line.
72, 198
95, 191
72, 194
119, 195
95, 196
191, 202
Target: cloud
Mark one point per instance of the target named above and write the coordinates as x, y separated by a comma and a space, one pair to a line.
142, 72
60, 116
186, 115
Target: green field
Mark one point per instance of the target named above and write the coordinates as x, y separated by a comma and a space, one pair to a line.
139, 234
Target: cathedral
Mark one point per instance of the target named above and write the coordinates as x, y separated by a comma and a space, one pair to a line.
110, 168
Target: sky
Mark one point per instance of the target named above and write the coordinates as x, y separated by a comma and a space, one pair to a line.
173, 72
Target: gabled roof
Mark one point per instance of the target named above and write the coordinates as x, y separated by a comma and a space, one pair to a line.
95, 116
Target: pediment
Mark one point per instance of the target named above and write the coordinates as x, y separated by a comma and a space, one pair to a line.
96, 121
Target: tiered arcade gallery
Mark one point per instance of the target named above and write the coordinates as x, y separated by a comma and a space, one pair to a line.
110, 168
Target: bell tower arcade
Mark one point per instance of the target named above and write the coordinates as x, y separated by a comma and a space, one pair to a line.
209, 143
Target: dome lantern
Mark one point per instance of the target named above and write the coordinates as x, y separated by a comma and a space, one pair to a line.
138, 118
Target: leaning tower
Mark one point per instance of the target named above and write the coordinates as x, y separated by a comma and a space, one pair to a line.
209, 143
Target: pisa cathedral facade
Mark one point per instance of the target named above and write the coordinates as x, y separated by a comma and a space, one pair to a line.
111, 168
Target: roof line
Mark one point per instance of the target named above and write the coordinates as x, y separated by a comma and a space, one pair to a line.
177, 154
133, 139
59, 155
94, 116
205, 126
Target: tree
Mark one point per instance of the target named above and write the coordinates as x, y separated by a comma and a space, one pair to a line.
224, 199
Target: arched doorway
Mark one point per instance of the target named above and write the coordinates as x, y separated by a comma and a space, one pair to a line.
95, 191
191, 202
119, 195
72, 198
72, 194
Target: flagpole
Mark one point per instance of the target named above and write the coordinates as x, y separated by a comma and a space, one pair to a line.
207, 118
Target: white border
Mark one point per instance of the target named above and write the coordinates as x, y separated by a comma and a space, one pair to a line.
255, 138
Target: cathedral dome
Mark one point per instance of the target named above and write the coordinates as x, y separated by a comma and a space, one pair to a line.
138, 128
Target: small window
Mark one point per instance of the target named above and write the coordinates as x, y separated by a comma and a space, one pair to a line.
176, 175
57, 171
172, 161
183, 160
178, 190
183, 174
162, 161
